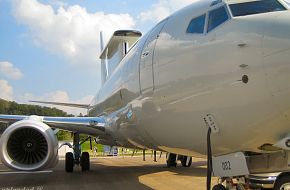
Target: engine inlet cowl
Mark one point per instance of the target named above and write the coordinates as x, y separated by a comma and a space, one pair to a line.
28, 145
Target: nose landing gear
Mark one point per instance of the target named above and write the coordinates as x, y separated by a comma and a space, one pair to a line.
219, 187
235, 183
283, 182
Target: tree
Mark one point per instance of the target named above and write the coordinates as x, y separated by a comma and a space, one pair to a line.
13, 108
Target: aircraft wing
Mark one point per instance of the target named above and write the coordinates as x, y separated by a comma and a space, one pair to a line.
86, 125
85, 106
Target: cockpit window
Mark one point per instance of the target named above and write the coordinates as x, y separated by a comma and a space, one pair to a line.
256, 7
216, 17
196, 25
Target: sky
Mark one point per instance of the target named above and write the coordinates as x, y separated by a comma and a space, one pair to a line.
49, 49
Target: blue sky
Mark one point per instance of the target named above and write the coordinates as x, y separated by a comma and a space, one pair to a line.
49, 48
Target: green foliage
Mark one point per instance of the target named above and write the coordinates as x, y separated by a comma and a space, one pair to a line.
2, 127
13, 108
64, 135
86, 147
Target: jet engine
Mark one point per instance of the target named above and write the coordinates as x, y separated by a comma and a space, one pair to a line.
29, 145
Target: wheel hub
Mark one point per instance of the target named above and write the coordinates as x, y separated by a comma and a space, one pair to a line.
286, 186
28, 145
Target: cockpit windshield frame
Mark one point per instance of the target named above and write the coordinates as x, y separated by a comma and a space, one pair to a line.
256, 7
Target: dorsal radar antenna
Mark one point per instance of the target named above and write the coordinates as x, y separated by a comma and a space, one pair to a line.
116, 49
104, 67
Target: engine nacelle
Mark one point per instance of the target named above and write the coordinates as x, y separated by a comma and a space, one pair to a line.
29, 145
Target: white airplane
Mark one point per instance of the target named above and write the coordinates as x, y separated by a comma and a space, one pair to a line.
210, 80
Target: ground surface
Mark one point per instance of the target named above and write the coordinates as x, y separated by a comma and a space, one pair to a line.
111, 173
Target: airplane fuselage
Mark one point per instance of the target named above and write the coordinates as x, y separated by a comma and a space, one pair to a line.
161, 92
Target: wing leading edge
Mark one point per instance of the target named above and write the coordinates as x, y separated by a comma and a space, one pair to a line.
87, 125
84, 106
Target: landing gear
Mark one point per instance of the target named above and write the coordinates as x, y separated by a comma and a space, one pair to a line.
219, 187
186, 161
234, 183
69, 162
77, 157
85, 161
171, 160
77, 148
155, 159
282, 183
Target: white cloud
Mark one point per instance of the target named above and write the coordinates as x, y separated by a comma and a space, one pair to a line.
9, 71
6, 91
57, 96
162, 9
69, 31
57, 3
158, 12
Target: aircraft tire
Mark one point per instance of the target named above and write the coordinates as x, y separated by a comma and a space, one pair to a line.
171, 160
183, 161
69, 162
85, 161
282, 183
219, 187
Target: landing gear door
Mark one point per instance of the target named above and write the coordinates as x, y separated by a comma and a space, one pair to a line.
146, 61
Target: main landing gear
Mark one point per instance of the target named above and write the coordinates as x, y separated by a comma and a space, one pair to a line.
77, 158
171, 160
185, 161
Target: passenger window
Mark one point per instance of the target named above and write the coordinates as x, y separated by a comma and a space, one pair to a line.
217, 17
196, 25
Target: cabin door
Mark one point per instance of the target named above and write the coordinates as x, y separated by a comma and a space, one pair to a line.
146, 60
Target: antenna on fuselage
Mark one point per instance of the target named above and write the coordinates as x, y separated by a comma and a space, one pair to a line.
115, 50
104, 71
